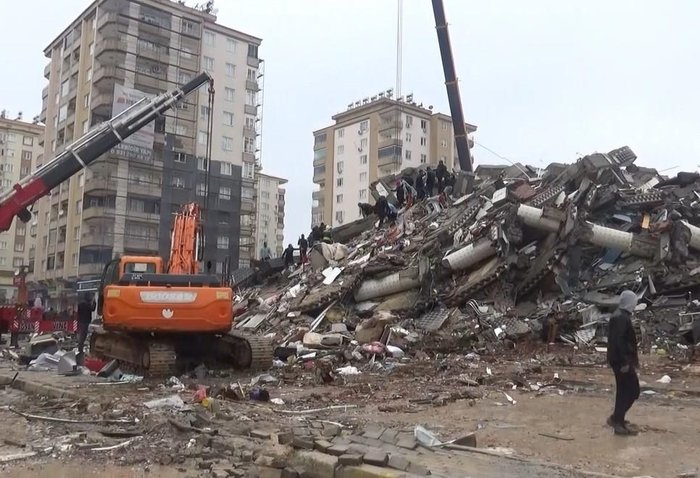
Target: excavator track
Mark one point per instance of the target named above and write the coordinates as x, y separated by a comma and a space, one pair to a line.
162, 359
249, 351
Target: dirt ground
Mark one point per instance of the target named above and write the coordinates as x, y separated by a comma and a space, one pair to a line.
561, 423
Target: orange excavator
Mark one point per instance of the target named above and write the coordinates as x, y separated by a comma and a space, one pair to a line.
159, 320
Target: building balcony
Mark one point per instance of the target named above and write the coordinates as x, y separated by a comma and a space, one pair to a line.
47, 71
317, 195
144, 216
107, 72
388, 142
249, 132
106, 19
144, 189
248, 157
115, 45
95, 240
162, 56
97, 213
389, 124
252, 85
250, 110
141, 243
91, 269
389, 160
247, 206
101, 101
254, 62
102, 185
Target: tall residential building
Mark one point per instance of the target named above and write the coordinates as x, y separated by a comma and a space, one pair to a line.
374, 138
19, 148
114, 53
270, 226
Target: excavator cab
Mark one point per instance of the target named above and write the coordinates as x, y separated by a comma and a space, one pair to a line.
116, 268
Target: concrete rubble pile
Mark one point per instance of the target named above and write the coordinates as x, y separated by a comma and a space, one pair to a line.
529, 254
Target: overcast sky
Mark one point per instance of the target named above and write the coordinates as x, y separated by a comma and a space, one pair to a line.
544, 80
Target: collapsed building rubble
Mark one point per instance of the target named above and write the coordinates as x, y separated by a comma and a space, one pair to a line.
531, 252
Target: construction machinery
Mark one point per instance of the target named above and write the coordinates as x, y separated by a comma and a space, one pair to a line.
160, 319
16, 201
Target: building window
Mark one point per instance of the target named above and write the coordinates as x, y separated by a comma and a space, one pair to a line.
202, 164
177, 182
443, 143
408, 155
204, 112
187, 26
423, 141
250, 98
27, 155
363, 194
340, 166
363, 143
249, 145
65, 87
201, 189
340, 149
409, 121
209, 38
423, 158
19, 246
339, 216
226, 144
252, 75
363, 159
28, 141
252, 50
183, 77
339, 182
363, 178
230, 92
248, 170
227, 168
231, 45
444, 125
86, 126
76, 233
250, 122
78, 207
21, 230
408, 137
339, 198
230, 69
228, 118
88, 74
423, 124
180, 158
203, 137
17, 262
181, 130
208, 63
186, 53
222, 242
341, 132
3, 245
364, 126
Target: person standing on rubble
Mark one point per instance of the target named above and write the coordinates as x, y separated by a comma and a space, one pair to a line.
288, 256
85, 310
429, 181
441, 176
420, 185
303, 247
265, 252
623, 359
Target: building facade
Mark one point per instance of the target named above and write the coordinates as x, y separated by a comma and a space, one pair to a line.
19, 148
374, 138
270, 226
114, 53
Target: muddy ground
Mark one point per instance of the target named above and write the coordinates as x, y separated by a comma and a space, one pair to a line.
556, 414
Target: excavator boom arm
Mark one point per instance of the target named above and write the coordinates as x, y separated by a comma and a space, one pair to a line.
87, 149
185, 244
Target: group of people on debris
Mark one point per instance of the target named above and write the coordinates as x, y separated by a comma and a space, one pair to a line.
409, 191
319, 233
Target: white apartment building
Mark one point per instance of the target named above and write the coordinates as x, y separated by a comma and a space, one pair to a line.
270, 226
372, 139
19, 148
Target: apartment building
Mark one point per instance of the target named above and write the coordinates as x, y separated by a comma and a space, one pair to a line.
270, 227
114, 53
19, 148
372, 138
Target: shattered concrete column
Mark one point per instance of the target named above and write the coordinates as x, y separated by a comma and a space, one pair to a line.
470, 255
548, 220
694, 235
624, 241
397, 282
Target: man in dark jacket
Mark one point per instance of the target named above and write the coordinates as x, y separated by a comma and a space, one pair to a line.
288, 256
420, 185
623, 359
429, 182
441, 176
303, 248
85, 310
